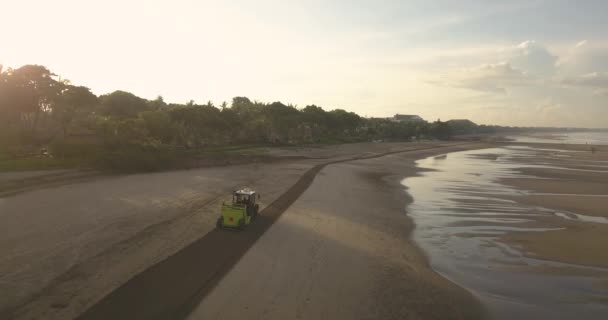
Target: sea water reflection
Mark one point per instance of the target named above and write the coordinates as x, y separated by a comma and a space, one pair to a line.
460, 210
587, 137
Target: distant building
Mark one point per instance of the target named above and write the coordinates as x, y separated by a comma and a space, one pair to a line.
407, 118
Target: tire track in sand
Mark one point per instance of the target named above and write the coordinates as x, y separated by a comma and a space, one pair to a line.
171, 288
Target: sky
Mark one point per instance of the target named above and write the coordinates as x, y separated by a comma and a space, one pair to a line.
517, 62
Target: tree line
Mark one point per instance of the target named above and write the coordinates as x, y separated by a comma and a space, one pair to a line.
41, 111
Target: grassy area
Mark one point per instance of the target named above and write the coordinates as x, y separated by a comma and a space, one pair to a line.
235, 147
135, 160
18, 158
249, 149
29, 164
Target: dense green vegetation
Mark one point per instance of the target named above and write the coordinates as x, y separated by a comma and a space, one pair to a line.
49, 122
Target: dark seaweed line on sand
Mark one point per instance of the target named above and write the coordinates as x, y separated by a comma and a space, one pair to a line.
172, 288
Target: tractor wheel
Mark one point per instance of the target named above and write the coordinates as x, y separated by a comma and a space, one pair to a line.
256, 211
220, 223
242, 224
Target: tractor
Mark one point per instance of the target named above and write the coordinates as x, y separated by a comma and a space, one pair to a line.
241, 212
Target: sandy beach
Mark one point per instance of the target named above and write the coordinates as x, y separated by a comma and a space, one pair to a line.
92, 237
341, 251
333, 240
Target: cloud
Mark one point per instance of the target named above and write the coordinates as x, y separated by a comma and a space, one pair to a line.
585, 66
584, 58
596, 81
521, 63
554, 85
532, 57
494, 78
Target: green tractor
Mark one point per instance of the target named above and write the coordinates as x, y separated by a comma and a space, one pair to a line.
241, 212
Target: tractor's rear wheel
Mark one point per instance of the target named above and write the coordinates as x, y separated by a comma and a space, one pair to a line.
256, 210
220, 223
241, 224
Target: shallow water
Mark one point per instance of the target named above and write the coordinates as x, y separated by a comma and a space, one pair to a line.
592, 138
459, 214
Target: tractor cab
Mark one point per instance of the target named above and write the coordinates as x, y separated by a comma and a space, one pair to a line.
244, 197
241, 212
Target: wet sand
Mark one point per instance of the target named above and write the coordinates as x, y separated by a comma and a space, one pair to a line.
579, 244
578, 186
65, 248
523, 226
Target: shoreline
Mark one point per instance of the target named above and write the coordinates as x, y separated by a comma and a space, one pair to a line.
522, 227
68, 295
333, 230
128, 296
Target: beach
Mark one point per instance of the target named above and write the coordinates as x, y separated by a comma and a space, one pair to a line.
342, 251
304, 160
92, 237
433, 230
522, 226
576, 189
